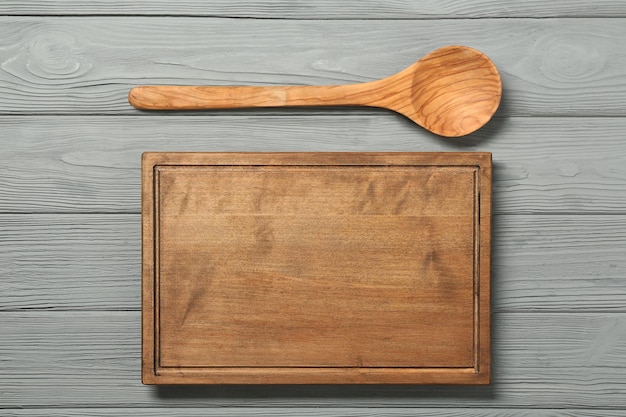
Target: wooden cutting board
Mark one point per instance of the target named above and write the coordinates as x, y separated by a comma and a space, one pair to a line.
309, 268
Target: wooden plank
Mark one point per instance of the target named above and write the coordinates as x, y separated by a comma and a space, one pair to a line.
92, 164
87, 65
70, 262
313, 412
396, 247
85, 359
323, 9
559, 263
93, 262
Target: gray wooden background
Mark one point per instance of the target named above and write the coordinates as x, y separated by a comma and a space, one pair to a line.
70, 149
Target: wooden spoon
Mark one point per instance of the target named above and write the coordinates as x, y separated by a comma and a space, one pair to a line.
451, 92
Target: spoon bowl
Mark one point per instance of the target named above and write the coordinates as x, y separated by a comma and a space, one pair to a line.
452, 91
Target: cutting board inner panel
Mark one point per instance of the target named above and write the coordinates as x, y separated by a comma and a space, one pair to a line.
315, 266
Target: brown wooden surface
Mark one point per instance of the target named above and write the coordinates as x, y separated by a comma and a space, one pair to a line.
316, 267
452, 91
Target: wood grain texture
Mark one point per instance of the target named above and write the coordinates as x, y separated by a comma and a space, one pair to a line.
93, 262
451, 92
323, 9
314, 412
85, 359
91, 164
559, 263
87, 65
395, 247
85, 168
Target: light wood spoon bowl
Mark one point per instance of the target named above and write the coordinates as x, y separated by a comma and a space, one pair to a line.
452, 92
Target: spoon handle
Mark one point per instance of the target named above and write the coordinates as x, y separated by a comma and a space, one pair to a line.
230, 97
